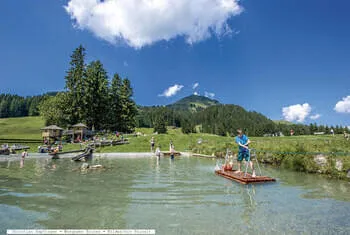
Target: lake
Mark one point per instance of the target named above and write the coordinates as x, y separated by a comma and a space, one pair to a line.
183, 196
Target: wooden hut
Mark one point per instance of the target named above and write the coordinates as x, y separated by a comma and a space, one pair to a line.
80, 131
52, 132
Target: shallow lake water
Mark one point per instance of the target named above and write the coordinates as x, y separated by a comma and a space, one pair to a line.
183, 196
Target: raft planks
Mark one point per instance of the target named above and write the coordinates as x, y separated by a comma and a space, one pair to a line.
239, 177
72, 151
167, 153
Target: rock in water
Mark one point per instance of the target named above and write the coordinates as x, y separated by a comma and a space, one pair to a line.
320, 160
84, 166
339, 165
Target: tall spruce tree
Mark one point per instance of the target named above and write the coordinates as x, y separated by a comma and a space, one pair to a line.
96, 96
75, 85
114, 115
128, 107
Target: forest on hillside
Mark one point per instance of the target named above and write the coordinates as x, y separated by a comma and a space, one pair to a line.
223, 120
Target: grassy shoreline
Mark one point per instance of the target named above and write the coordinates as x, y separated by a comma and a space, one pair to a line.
324, 154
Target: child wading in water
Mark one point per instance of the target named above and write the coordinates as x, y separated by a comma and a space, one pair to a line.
172, 150
158, 152
24, 154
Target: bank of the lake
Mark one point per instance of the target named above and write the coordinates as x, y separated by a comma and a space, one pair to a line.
323, 154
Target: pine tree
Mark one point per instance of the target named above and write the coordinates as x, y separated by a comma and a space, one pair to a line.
159, 125
75, 85
115, 110
96, 96
128, 107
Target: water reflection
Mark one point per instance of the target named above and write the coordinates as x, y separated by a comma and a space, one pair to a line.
316, 186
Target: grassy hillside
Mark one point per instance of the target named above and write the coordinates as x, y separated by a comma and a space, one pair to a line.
21, 128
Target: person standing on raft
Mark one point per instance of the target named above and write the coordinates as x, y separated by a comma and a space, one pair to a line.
243, 151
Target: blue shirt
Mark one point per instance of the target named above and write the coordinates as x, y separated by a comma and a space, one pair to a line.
243, 140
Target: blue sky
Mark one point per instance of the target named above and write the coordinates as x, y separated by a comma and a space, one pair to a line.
285, 59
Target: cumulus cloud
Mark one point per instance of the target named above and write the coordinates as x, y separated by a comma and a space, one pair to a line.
139, 23
316, 116
171, 91
296, 112
209, 94
343, 106
196, 93
195, 85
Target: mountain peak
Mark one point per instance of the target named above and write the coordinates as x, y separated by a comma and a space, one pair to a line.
193, 103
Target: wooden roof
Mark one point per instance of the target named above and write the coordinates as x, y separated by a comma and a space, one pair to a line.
80, 125
52, 127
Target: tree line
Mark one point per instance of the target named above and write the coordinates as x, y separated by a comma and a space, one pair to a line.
159, 117
18, 106
223, 120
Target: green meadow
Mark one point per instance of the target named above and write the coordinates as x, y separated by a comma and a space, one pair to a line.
294, 152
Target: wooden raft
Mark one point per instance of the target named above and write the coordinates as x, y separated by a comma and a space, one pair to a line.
239, 177
167, 153
72, 151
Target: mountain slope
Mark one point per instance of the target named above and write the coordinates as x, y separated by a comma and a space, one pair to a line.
193, 103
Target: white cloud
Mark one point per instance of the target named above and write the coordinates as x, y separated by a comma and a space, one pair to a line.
139, 23
195, 85
196, 93
171, 91
125, 63
316, 116
296, 112
209, 94
343, 106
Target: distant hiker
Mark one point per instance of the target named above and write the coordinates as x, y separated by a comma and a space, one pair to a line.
243, 150
152, 141
24, 154
332, 132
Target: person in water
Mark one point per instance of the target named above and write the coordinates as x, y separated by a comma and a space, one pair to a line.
172, 151
243, 151
24, 154
152, 144
158, 152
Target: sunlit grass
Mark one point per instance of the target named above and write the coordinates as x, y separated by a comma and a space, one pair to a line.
294, 151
